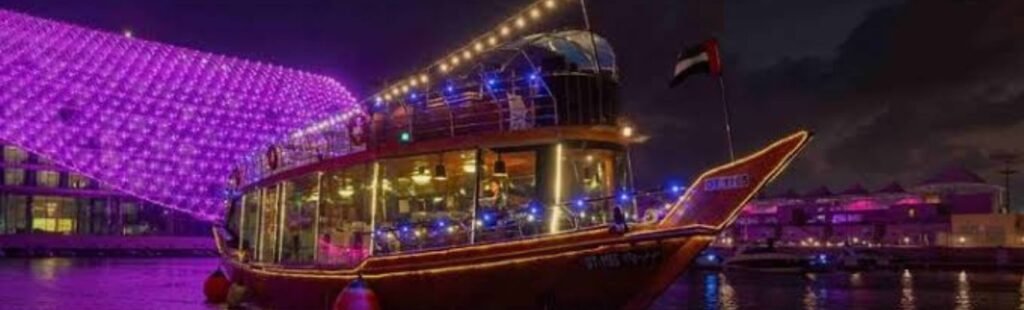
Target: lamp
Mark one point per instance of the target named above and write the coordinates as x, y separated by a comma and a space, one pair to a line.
499, 167
439, 172
421, 176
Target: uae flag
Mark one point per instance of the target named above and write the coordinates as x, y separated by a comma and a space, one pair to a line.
702, 58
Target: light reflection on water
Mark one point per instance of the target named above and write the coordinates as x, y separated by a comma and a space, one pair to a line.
130, 283
903, 289
60, 283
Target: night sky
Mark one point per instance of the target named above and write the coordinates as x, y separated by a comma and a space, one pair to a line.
895, 90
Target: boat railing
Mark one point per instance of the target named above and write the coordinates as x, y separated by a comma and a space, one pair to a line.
509, 105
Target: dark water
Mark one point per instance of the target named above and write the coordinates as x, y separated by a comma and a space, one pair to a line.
177, 284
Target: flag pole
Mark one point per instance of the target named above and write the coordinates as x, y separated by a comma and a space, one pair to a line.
728, 121
597, 62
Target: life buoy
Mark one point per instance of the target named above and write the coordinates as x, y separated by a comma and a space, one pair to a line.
273, 158
356, 130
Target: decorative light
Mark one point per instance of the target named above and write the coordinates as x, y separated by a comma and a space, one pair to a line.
378, 100
413, 82
405, 137
492, 40
467, 54
535, 13
444, 68
347, 191
117, 93
440, 173
387, 97
520, 22
455, 60
505, 31
421, 176
405, 89
478, 47
550, 4
424, 78
627, 131
395, 91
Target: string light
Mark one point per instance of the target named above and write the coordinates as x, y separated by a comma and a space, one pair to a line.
413, 82
519, 21
122, 92
424, 78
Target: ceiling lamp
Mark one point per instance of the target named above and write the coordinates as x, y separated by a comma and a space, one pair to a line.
421, 176
499, 167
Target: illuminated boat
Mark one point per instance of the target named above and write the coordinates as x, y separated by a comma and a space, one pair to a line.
505, 185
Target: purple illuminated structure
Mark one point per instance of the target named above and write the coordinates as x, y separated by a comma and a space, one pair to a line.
163, 123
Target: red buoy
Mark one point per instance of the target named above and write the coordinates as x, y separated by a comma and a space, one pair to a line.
216, 287
356, 296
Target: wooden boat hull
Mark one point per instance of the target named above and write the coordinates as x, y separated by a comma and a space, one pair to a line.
587, 269
605, 276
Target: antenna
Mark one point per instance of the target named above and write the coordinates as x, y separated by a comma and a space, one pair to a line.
1008, 159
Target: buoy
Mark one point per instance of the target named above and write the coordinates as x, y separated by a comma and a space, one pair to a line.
356, 296
216, 287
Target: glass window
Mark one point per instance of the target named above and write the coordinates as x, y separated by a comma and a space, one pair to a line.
270, 221
345, 216
47, 178
77, 181
53, 215
510, 203
14, 210
14, 155
425, 202
594, 184
300, 205
251, 220
14, 176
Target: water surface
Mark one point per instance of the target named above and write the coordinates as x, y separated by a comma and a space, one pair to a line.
176, 283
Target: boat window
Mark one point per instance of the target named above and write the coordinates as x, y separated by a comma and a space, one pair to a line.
301, 196
425, 202
269, 223
250, 220
595, 183
510, 205
234, 217
345, 217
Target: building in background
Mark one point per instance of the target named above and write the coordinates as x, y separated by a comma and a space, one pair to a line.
955, 207
39, 197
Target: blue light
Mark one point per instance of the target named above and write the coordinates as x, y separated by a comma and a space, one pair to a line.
624, 197
487, 217
533, 210
413, 96
378, 101
491, 82
405, 228
440, 224
534, 76
580, 203
676, 189
710, 257
450, 89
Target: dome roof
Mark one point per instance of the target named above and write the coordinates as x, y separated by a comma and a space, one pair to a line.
575, 46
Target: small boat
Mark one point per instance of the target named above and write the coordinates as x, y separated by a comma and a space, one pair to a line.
508, 188
865, 259
765, 258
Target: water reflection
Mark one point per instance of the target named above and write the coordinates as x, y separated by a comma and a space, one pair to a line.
901, 289
907, 291
963, 292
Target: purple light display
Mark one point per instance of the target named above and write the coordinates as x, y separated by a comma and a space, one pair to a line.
163, 123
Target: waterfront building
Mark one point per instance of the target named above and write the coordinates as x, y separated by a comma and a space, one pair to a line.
947, 209
40, 197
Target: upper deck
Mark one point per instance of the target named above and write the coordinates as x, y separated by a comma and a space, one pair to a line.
543, 86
